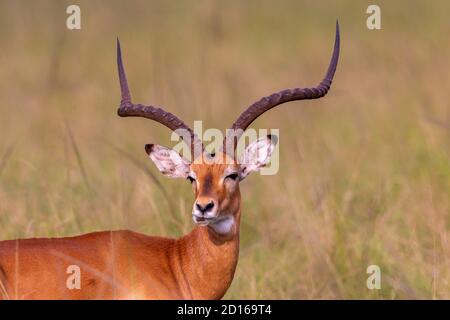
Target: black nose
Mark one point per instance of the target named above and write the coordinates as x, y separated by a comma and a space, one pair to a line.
205, 207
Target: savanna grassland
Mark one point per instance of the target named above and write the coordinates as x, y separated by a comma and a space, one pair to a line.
364, 173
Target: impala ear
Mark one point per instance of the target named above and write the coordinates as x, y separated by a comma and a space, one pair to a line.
168, 161
257, 154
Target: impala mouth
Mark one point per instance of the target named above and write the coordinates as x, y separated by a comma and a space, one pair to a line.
203, 221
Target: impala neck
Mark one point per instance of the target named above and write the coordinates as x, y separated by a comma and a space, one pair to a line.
209, 257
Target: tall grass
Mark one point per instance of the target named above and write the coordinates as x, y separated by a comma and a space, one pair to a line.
364, 175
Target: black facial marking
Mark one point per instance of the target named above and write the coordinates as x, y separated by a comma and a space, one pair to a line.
207, 183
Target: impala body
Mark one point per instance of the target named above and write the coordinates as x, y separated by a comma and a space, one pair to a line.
129, 265
119, 265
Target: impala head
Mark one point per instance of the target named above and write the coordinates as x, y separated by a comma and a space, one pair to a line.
215, 178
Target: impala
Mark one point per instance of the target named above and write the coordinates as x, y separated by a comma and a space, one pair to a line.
127, 265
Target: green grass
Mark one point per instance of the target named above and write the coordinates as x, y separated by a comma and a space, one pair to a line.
364, 175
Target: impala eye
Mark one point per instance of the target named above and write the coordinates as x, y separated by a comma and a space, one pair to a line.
232, 176
191, 180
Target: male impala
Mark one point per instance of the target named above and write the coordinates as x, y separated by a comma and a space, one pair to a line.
126, 264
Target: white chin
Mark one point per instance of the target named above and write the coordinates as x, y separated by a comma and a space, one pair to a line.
201, 222
223, 225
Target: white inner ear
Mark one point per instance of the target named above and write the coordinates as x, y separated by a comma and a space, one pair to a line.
257, 155
169, 162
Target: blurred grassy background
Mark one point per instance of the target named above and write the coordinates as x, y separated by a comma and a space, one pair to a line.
364, 175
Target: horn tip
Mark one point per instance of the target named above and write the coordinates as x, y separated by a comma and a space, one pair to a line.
337, 28
118, 44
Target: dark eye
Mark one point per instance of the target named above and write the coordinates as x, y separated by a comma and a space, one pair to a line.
232, 176
190, 179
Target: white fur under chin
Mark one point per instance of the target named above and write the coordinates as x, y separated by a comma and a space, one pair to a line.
223, 225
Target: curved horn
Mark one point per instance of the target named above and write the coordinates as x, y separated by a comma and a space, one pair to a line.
128, 109
269, 102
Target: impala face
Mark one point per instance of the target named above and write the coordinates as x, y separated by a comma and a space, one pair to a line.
215, 179
216, 187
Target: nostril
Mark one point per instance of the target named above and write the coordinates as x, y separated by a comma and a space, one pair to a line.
209, 206
204, 208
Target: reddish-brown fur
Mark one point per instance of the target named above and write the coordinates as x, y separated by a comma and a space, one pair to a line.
129, 265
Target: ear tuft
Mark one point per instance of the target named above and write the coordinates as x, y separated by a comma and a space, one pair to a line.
149, 148
273, 139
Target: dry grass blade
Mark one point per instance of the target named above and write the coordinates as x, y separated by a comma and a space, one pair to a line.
78, 156
438, 122
5, 158
150, 174
3, 292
